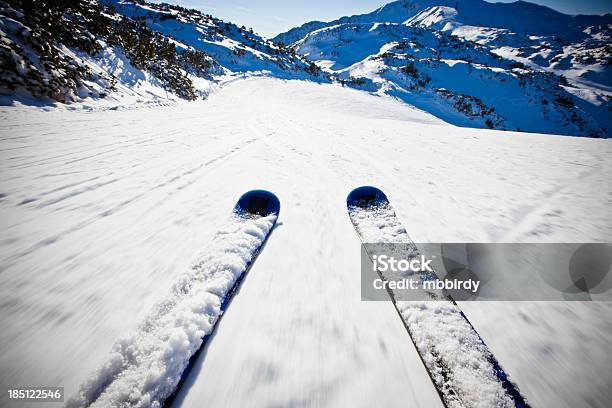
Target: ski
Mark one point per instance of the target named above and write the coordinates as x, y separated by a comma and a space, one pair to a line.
148, 367
461, 366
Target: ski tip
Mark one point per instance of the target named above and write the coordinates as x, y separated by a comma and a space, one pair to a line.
366, 196
258, 202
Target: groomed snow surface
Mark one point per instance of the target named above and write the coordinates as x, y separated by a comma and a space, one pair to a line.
103, 212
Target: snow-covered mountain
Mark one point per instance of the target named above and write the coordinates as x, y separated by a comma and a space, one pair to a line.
127, 50
516, 66
513, 66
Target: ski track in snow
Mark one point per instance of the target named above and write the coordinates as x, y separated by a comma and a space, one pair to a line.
102, 211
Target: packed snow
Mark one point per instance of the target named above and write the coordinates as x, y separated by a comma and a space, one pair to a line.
378, 224
450, 348
103, 211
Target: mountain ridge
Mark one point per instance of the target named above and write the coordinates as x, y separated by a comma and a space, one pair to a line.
474, 63
122, 51
393, 9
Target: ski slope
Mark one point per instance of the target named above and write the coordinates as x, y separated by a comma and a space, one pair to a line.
103, 211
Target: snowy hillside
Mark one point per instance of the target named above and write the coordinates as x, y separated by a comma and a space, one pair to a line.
118, 52
515, 66
104, 212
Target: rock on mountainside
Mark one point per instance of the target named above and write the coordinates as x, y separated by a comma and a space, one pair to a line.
77, 50
516, 66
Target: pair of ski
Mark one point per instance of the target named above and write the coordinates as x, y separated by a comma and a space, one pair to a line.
460, 365
462, 368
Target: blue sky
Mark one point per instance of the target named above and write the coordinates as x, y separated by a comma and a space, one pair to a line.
270, 17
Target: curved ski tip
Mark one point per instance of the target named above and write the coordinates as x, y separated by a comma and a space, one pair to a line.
258, 202
366, 196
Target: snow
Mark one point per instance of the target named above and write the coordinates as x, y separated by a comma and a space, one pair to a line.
379, 224
375, 26
542, 347
433, 16
103, 211
442, 334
